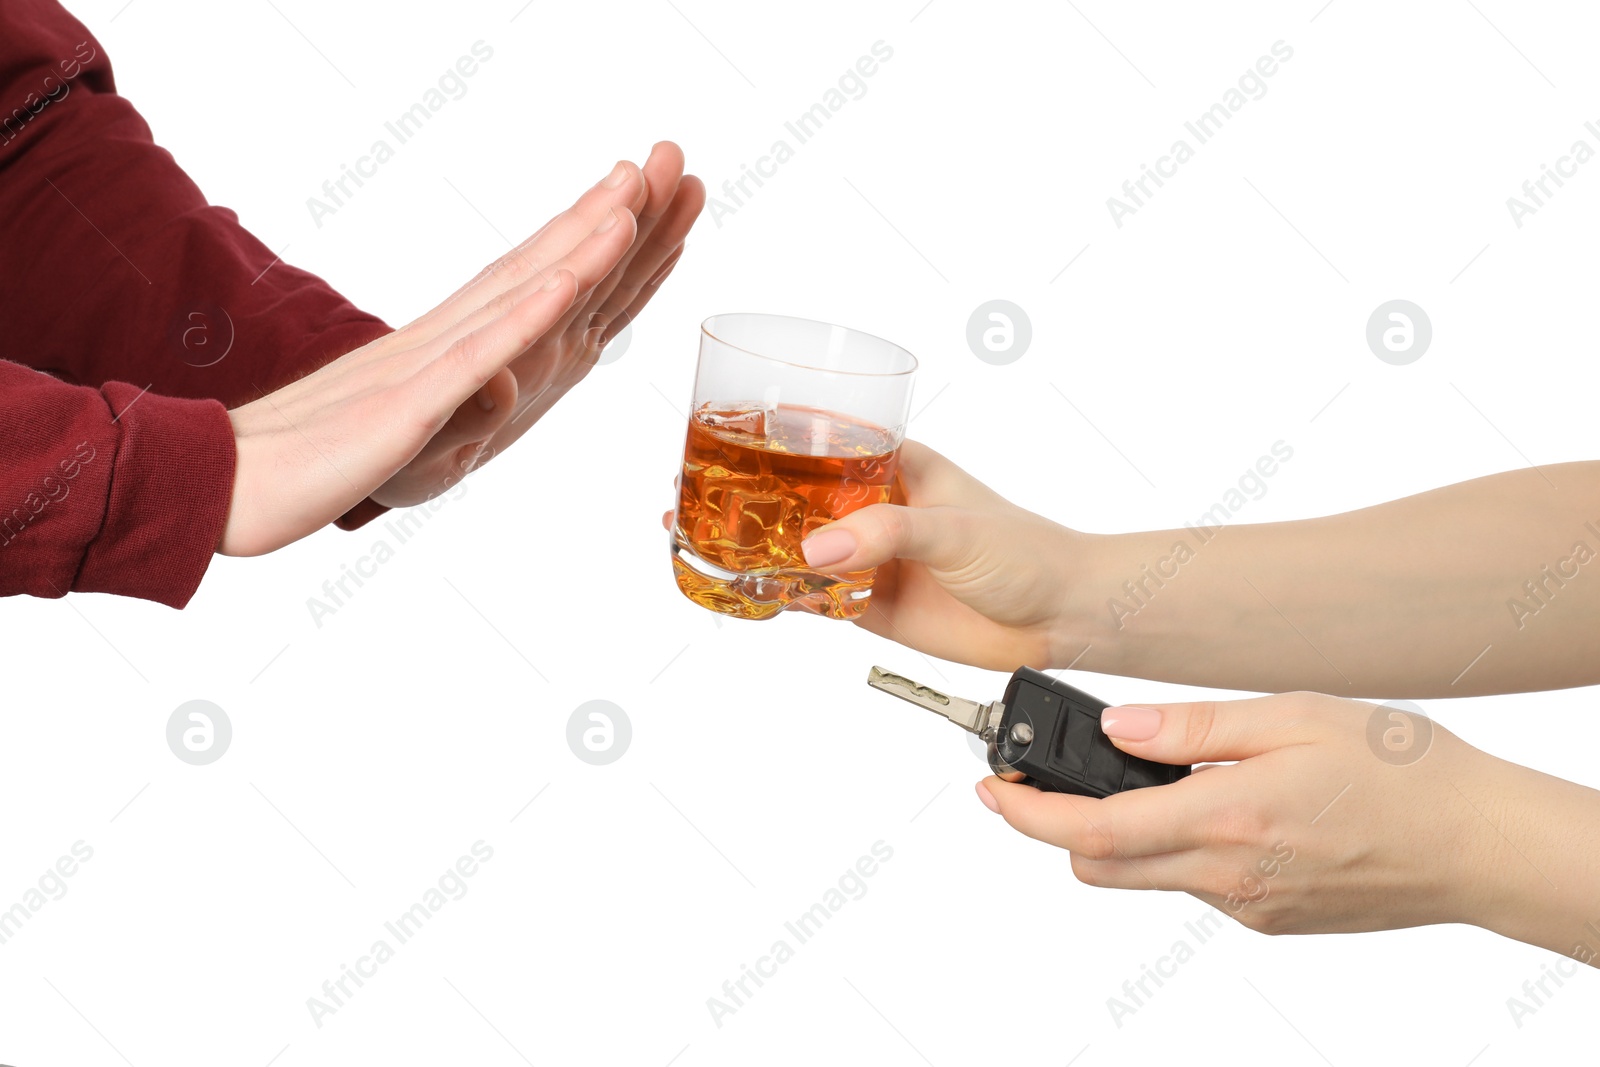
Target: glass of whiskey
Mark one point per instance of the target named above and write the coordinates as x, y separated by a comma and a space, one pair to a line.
794, 424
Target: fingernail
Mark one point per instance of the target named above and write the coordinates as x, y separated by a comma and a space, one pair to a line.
1131, 722
606, 223
618, 175
988, 798
485, 401
553, 281
828, 547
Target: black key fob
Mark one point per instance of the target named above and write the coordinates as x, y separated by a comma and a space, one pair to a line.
1043, 732
1049, 734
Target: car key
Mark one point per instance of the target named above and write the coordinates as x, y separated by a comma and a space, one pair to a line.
1042, 732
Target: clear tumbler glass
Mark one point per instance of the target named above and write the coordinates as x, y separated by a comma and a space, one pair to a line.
794, 424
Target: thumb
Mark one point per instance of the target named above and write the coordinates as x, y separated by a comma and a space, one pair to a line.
1209, 730
940, 536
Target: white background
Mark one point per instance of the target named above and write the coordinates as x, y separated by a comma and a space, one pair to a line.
368, 754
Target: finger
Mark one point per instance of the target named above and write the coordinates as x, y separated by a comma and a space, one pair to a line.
481, 417
623, 187
928, 477
1180, 871
1139, 822
1212, 730
660, 242
940, 523
900, 596
944, 538
606, 242
663, 171
1213, 878
666, 519
472, 455
474, 358
663, 177
628, 190
640, 264
651, 287
593, 263
586, 264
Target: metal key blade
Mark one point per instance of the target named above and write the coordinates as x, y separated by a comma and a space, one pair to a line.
967, 714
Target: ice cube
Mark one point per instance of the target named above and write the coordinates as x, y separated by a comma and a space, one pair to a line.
753, 422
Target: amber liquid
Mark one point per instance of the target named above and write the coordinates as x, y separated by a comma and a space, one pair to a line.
758, 482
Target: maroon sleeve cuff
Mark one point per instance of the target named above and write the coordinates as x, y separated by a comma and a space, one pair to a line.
171, 484
360, 515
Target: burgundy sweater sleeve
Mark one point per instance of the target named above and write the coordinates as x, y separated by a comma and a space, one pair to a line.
107, 490
149, 311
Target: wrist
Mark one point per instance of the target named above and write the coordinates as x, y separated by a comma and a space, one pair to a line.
1531, 858
223, 535
1477, 886
1080, 629
1094, 608
239, 531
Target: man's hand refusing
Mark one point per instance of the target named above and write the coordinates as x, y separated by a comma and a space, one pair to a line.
402, 418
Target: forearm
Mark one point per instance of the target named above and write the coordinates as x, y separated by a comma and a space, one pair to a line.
1479, 587
123, 271
129, 274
